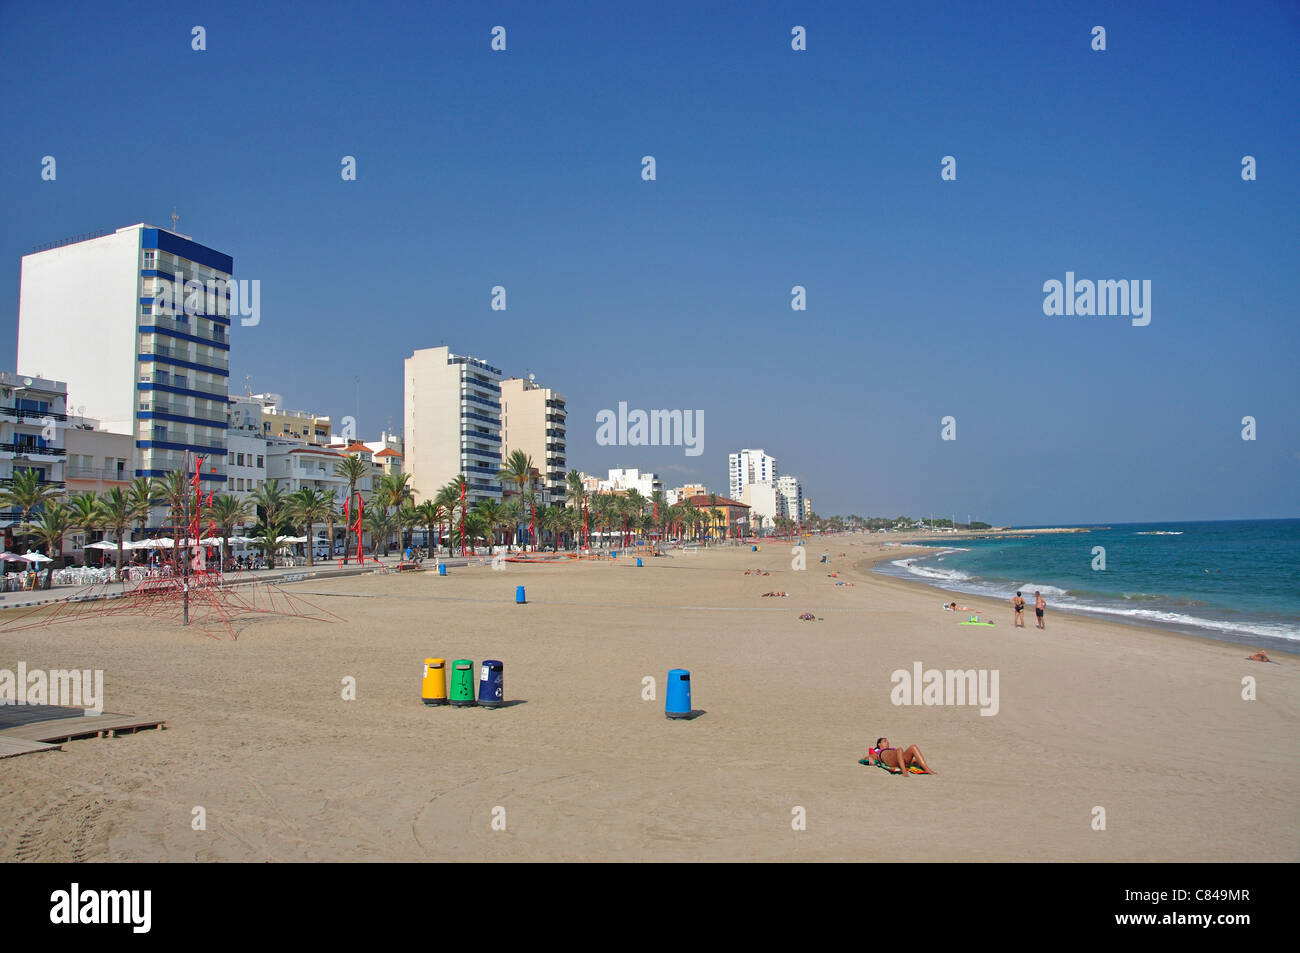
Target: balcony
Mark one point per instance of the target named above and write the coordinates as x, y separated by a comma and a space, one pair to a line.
30, 416
494, 405
97, 473
32, 450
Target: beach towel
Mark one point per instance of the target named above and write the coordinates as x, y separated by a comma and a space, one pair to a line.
911, 769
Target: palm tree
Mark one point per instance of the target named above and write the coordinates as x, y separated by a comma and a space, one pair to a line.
575, 495
476, 527
660, 502
430, 515
116, 513
84, 513
381, 523
228, 511
448, 500
353, 469
551, 520
173, 490
493, 513
310, 506
266, 540
53, 522
394, 491
273, 502
518, 469
28, 492
141, 497
408, 518
330, 519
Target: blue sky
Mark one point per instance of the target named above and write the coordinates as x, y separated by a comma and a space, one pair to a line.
775, 168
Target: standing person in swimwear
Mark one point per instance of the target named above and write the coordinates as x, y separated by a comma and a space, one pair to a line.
1039, 605
898, 760
1019, 605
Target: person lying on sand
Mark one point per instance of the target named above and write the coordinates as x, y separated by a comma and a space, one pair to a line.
898, 760
953, 607
1259, 657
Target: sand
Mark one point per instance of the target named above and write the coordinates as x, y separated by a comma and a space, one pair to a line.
1148, 725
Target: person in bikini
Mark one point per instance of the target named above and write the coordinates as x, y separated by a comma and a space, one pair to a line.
1018, 604
897, 760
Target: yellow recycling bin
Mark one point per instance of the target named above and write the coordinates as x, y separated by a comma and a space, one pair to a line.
434, 689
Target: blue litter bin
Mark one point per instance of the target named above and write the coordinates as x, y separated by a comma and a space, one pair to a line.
753, 549
638, 560
519, 595
491, 684
442, 569
678, 702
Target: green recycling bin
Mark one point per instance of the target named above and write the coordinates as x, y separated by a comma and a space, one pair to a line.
462, 683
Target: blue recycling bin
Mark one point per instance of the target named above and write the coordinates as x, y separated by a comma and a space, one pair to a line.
491, 684
519, 595
753, 549
442, 569
638, 560
678, 702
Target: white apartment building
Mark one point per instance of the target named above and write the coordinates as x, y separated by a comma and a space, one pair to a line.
138, 353
790, 503
33, 421
644, 483
452, 424
298, 466
245, 448
749, 466
764, 506
533, 420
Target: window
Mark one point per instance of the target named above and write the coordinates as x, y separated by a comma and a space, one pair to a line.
150, 259
260, 464
239, 459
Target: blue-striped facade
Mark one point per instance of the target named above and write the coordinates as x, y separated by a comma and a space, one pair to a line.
169, 243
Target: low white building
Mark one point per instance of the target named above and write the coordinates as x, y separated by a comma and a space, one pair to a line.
33, 419
644, 483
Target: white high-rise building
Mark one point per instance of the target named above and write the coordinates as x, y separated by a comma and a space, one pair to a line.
789, 494
749, 466
453, 424
138, 353
533, 420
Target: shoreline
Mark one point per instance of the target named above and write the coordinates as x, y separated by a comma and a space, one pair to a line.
1258, 642
587, 767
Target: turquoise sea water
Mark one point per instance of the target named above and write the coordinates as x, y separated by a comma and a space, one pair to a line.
1232, 580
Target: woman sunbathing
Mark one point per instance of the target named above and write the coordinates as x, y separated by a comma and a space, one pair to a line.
953, 607
897, 760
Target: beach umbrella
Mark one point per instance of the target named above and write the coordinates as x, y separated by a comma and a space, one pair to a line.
9, 557
104, 544
32, 557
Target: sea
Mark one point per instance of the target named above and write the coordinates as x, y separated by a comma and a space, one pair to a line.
1237, 581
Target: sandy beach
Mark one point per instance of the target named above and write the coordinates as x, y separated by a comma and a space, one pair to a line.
1149, 725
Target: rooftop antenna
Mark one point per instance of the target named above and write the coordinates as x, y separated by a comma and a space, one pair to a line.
175, 218
248, 387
